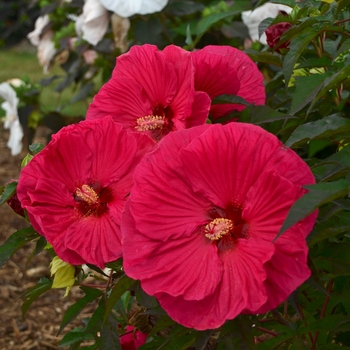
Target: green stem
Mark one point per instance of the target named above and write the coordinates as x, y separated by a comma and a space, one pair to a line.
323, 312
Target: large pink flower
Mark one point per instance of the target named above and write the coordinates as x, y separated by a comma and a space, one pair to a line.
198, 229
226, 70
152, 91
74, 190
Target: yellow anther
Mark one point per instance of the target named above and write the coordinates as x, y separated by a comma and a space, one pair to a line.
150, 122
217, 228
86, 194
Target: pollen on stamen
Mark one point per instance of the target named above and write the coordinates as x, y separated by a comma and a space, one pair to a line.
149, 122
217, 228
86, 194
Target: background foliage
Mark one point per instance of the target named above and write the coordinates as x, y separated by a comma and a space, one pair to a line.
307, 107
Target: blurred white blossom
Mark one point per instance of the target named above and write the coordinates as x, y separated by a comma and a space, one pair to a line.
131, 7
11, 119
252, 19
92, 24
41, 37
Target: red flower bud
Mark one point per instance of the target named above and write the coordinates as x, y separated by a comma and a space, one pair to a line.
15, 204
274, 33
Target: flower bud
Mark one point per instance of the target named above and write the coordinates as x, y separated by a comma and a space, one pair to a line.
274, 33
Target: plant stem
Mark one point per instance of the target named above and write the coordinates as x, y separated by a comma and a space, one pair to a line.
323, 311
275, 334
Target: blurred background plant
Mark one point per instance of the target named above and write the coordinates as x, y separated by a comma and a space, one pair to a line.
306, 65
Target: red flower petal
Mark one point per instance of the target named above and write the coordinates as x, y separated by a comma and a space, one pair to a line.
226, 70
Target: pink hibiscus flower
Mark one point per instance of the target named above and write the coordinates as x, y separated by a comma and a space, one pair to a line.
74, 190
198, 229
152, 92
226, 70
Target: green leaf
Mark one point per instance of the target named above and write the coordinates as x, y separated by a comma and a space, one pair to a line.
339, 223
144, 299
290, 3
263, 25
306, 88
323, 128
39, 247
230, 99
202, 339
328, 323
10, 190
298, 45
189, 40
124, 284
332, 82
16, 241
318, 195
335, 166
33, 293
77, 335
262, 114
238, 333
265, 57
109, 339
344, 47
342, 5
85, 92
205, 23
163, 322
35, 148
316, 63
183, 8
74, 310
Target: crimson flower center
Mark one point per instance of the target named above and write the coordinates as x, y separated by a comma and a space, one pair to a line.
150, 122
159, 123
217, 228
92, 200
226, 227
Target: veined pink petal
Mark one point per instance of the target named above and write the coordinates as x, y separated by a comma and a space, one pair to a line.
182, 213
183, 100
123, 99
286, 270
171, 261
241, 285
227, 70
149, 68
200, 109
209, 173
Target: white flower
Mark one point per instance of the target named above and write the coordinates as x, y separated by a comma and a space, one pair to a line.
42, 39
40, 24
129, 8
46, 50
11, 119
252, 19
92, 24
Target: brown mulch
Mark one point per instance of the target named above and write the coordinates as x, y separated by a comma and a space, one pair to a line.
38, 330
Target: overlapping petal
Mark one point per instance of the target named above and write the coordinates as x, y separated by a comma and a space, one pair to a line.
75, 189
226, 70
231, 176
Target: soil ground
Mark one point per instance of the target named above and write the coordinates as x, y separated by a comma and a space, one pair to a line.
38, 330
